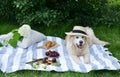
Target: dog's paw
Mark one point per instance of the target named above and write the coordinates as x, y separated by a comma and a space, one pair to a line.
76, 59
86, 62
87, 59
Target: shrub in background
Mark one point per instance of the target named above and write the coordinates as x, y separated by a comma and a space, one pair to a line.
48, 12
54, 12
111, 16
7, 10
36, 12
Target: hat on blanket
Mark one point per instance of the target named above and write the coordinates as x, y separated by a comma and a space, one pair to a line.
78, 30
25, 30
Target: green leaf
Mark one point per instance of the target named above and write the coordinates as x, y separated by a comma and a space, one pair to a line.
14, 30
13, 43
15, 39
16, 35
1, 45
21, 38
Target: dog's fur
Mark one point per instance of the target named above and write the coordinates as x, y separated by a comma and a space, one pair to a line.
78, 45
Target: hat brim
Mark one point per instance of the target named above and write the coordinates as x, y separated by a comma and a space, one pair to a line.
71, 33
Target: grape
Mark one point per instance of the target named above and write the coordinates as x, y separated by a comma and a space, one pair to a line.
54, 60
44, 60
57, 54
52, 53
47, 53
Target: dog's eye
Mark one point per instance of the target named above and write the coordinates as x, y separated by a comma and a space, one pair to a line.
83, 37
77, 37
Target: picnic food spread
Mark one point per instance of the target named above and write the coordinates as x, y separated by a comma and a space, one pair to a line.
51, 56
51, 59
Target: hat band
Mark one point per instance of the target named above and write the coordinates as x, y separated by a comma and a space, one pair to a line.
79, 31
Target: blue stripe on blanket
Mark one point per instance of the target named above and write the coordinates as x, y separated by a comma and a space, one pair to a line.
97, 58
67, 59
23, 59
12, 60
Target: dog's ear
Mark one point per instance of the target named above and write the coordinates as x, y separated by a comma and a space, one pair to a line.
68, 40
88, 41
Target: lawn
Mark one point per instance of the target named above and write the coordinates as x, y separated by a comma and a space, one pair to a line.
107, 33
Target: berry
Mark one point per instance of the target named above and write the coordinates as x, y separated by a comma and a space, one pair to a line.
52, 53
44, 60
54, 60
47, 53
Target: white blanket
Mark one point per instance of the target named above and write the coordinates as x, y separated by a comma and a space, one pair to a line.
12, 59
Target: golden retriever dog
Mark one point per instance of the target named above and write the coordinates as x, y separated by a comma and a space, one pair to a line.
78, 42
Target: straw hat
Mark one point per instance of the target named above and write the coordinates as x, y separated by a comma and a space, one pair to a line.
78, 30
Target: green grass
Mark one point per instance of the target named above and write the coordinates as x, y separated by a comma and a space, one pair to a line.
110, 34
65, 74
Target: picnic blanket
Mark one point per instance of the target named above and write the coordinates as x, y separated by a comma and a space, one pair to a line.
14, 59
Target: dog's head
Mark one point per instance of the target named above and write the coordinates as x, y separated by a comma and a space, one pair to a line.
79, 41
78, 36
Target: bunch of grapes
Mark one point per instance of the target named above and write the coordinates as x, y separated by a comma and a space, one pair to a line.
52, 54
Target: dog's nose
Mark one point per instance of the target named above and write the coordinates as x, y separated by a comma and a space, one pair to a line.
80, 42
